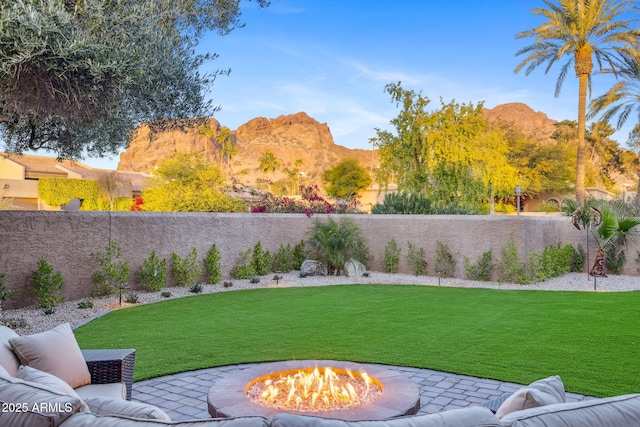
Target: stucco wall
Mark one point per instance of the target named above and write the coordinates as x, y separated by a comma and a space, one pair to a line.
66, 239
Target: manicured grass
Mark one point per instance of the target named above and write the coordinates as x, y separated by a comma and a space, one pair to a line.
592, 340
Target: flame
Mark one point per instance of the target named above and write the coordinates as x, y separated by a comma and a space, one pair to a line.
317, 389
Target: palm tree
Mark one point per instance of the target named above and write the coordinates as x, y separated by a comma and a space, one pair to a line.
579, 31
268, 162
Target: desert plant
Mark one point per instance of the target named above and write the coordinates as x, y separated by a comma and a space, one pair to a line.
554, 261
244, 267
481, 269
112, 273
132, 298
283, 259
261, 260
227, 284
46, 284
153, 273
196, 288
5, 293
391, 256
185, 270
335, 242
577, 259
299, 255
165, 294
83, 305
614, 259
415, 258
510, 268
445, 262
212, 265
254, 279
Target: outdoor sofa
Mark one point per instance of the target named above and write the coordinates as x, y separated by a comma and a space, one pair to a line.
46, 380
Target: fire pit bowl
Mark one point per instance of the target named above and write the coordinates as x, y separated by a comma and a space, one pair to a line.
397, 395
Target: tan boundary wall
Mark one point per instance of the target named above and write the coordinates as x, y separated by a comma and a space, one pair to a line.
66, 239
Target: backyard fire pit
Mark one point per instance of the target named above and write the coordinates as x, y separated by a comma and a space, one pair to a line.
330, 389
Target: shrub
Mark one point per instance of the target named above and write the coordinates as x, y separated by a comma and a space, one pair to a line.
227, 284
614, 259
165, 294
244, 267
112, 273
509, 267
417, 203
391, 256
554, 261
577, 259
5, 293
481, 269
187, 270
299, 255
254, 279
416, 259
283, 259
46, 285
261, 260
445, 262
335, 242
196, 288
212, 265
153, 273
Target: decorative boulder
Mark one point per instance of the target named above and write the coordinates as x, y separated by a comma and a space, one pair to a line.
354, 268
313, 268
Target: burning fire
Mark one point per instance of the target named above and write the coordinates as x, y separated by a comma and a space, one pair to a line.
314, 389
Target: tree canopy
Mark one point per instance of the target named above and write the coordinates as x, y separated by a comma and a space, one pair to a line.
77, 76
185, 183
346, 178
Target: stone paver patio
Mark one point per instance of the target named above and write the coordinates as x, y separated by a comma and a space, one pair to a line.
184, 396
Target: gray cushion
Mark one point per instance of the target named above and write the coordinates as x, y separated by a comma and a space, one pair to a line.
87, 419
125, 408
34, 405
618, 411
475, 416
8, 358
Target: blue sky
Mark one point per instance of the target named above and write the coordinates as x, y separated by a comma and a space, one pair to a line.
333, 58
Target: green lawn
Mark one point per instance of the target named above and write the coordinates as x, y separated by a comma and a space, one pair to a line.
592, 340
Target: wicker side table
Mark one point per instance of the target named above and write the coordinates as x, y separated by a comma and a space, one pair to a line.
111, 366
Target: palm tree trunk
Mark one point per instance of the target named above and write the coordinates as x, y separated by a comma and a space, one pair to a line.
582, 121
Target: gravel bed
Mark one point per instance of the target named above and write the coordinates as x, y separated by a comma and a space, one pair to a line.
32, 320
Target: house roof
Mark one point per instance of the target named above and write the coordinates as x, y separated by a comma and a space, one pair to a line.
43, 166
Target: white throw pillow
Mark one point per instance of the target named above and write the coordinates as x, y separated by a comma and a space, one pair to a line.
8, 358
28, 373
543, 392
55, 351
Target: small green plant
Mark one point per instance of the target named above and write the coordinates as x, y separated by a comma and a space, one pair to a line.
391, 256
365, 274
283, 259
165, 294
254, 279
112, 273
132, 298
196, 288
5, 293
46, 284
614, 259
577, 259
302, 275
335, 242
244, 267
416, 259
49, 310
187, 270
481, 269
261, 260
212, 265
227, 284
153, 273
299, 255
83, 305
445, 262
509, 267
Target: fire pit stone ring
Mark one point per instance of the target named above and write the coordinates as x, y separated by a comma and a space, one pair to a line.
400, 396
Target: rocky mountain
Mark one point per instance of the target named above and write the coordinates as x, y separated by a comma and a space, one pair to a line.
297, 141
522, 117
